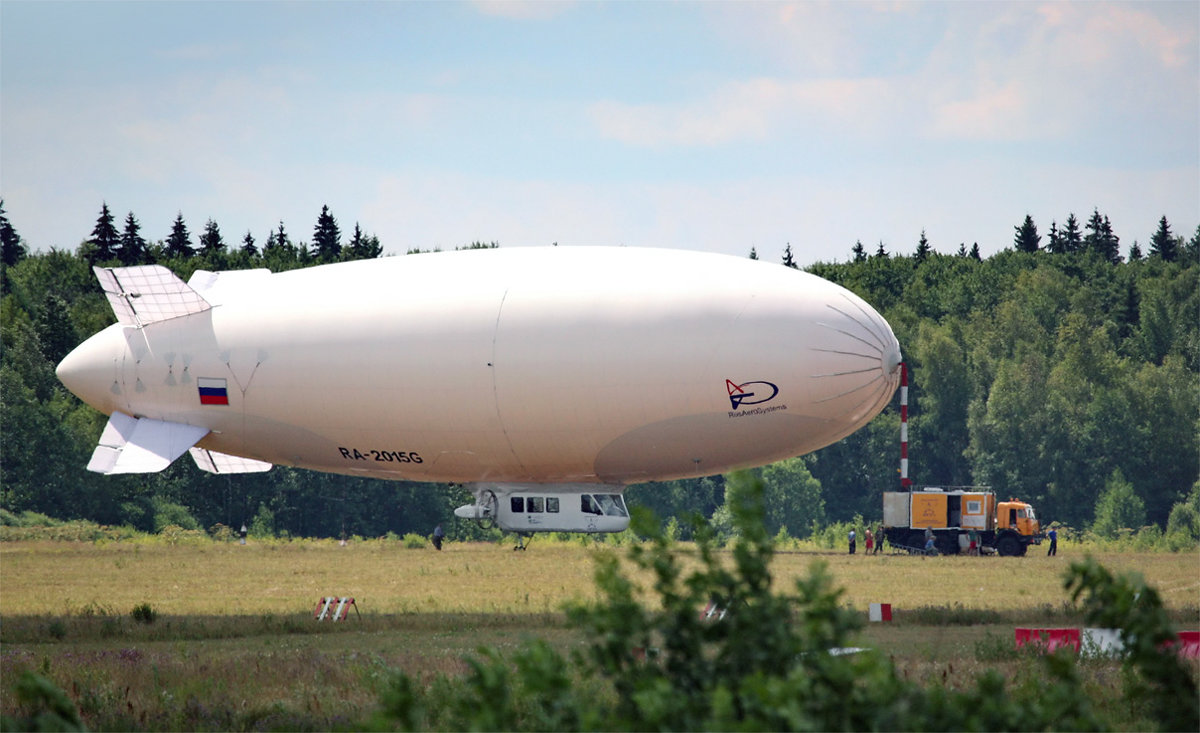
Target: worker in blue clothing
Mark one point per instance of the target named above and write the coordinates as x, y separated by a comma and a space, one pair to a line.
1053, 535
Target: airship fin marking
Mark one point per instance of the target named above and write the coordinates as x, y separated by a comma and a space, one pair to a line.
141, 445
148, 294
214, 462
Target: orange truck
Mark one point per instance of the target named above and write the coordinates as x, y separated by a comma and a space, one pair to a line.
1004, 527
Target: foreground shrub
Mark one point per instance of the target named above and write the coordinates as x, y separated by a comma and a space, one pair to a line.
652, 663
144, 614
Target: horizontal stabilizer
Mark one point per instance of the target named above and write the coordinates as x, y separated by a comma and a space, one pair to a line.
147, 294
141, 445
214, 462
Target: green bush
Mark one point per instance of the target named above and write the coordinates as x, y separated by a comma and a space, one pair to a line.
220, 533
173, 534
169, 513
651, 663
263, 524
413, 541
42, 705
144, 614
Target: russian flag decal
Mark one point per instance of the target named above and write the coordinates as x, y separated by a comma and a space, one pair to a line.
212, 391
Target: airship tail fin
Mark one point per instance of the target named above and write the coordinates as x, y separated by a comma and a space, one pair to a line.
215, 462
215, 287
147, 294
141, 445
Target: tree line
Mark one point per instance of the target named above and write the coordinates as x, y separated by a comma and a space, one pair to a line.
278, 252
1064, 376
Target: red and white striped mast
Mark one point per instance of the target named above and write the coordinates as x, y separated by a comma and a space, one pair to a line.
905, 482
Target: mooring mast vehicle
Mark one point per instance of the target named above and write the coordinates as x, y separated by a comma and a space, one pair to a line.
1005, 527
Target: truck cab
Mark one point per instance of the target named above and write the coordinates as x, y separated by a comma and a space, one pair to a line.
1020, 518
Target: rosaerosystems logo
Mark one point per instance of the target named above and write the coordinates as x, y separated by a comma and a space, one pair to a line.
750, 393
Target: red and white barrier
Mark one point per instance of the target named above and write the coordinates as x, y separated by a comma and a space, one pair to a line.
880, 612
1048, 639
334, 608
1103, 642
1188, 645
1099, 641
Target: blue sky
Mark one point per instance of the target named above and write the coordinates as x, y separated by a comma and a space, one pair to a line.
712, 126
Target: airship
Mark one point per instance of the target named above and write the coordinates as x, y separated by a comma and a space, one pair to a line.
544, 379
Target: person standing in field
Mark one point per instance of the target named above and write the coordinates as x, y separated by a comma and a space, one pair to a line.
851, 541
878, 539
1053, 551
870, 540
438, 535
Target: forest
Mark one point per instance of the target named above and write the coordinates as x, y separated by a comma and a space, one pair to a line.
1058, 370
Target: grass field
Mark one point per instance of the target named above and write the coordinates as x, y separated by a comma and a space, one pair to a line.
234, 644
52, 578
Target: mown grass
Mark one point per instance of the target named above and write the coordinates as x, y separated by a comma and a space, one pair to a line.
276, 577
231, 644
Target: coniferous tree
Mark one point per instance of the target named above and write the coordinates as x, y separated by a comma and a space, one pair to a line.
211, 242
1027, 238
962, 249
12, 250
179, 241
1072, 238
788, 260
753, 253
975, 255
248, 247
363, 247
105, 239
1054, 244
279, 244
1191, 250
133, 250
1135, 252
1094, 223
327, 238
1162, 243
880, 251
923, 248
859, 252
271, 246
1100, 238
1110, 241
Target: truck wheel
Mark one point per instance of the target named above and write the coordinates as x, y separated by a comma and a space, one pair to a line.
1008, 546
947, 544
916, 540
